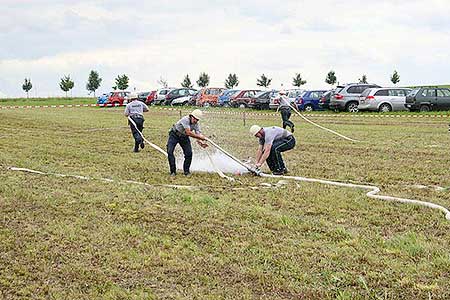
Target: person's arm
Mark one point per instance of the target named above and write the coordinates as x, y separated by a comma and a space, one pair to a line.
259, 153
126, 112
265, 155
145, 107
198, 136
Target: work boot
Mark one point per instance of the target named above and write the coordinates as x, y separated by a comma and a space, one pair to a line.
187, 174
278, 172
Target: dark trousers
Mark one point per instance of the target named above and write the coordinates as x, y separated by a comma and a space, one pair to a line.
275, 160
139, 120
185, 144
285, 115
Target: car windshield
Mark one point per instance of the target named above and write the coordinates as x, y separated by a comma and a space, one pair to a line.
413, 92
259, 94
293, 94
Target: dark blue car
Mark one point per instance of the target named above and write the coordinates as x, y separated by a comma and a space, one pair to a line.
309, 100
224, 97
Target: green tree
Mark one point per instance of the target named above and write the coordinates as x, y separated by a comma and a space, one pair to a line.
66, 84
203, 80
363, 79
94, 81
263, 81
122, 82
298, 81
395, 78
187, 82
331, 78
26, 86
231, 81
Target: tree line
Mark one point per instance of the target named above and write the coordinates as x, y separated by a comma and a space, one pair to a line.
122, 81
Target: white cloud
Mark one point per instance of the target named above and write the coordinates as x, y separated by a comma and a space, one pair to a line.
146, 41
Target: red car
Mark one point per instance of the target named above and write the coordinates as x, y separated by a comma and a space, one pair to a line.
118, 98
242, 98
151, 97
147, 97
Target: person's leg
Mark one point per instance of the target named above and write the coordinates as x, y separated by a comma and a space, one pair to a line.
284, 117
171, 143
289, 122
281, 146
134, 132
185, 144
136, 135
140, 126
271, 161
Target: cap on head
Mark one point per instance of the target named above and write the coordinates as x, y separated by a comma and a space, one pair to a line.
197, 113
282, 92
255, 129
133, 96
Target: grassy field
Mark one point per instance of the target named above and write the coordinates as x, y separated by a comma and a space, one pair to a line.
67, 238
46, 101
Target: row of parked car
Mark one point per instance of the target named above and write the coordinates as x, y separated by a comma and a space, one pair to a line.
350, 97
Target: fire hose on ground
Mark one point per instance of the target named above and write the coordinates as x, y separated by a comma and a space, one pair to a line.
372, 190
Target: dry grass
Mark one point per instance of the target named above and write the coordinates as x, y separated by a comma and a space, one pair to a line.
64, 238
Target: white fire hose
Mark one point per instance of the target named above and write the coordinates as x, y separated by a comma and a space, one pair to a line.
218, 171
321, 127
373, 190
147, 141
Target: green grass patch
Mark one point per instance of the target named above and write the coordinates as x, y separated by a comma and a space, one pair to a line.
66, 238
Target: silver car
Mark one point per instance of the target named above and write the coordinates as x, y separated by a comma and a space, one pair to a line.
160, 95
346, 97
383, 99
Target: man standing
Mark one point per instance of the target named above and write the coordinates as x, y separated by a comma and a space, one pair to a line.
285, 110
180, 132
272, 141
135, 110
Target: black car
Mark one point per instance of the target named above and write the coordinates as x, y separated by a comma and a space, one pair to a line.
177, 93
260, 100
143, 96
428, 98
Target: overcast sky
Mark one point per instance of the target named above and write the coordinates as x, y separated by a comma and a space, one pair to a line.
45, 40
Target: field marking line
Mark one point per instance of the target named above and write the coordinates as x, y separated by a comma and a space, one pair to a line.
188, 187
231, 112
121, 181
